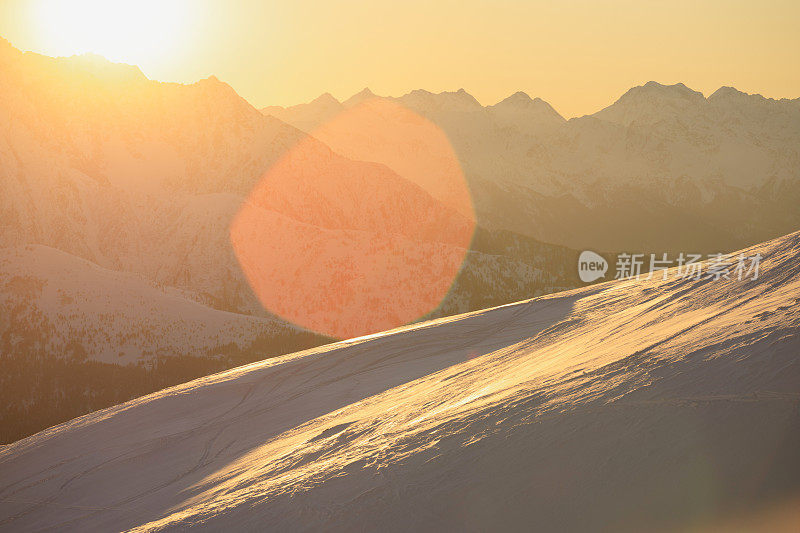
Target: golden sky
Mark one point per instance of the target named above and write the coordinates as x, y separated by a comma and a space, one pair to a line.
579, 55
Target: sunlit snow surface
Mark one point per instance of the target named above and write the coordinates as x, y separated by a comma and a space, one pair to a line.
626, 405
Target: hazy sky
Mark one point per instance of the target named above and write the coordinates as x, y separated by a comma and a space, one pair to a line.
580, 55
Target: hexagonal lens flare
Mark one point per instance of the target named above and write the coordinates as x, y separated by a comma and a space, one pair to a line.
348, 246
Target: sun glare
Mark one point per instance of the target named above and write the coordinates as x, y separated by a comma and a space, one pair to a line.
138, 32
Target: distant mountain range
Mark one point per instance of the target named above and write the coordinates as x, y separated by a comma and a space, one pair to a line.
122, 269
663, 168
118, 274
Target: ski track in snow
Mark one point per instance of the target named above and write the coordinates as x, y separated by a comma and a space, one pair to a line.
625, 405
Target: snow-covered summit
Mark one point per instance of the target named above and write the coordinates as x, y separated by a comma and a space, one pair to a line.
525, 112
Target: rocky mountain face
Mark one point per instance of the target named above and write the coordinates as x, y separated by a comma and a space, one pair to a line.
154, 232
121, 268
663, 168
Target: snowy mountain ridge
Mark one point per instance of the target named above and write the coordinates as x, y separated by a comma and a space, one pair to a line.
508, 417
661, 155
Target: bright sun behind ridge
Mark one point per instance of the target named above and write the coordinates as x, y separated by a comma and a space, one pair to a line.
140, 32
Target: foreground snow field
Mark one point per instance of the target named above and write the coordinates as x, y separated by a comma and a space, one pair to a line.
650, 404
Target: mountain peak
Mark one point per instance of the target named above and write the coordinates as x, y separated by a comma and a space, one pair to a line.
653, 88
426, 100
213, 81
734, 97
325, 98
519, 97
465, 97
360, 96
725, 93
653, 102
521, 102
420, 93
730, 93
219, 93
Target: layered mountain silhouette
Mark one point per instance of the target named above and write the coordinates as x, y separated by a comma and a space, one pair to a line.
154, 232
663, 168
135, 184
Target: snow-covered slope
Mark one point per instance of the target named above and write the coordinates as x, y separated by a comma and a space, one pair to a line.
56, 303
627, 405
